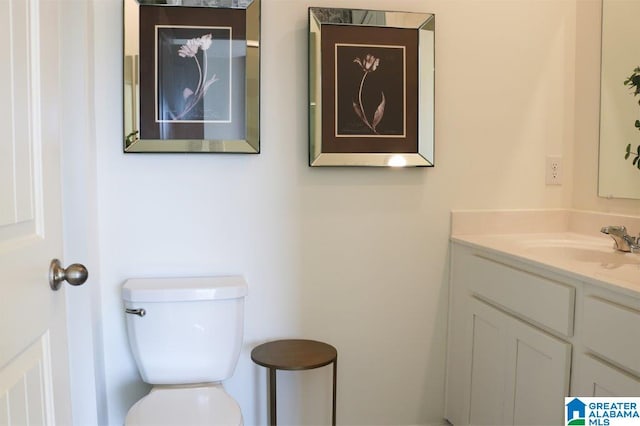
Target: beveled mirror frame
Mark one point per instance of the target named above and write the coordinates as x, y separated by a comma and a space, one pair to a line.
245, 135
355, 28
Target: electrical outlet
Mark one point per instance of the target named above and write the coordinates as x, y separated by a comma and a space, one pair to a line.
554, 170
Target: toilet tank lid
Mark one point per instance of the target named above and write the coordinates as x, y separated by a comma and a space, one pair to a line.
184, 289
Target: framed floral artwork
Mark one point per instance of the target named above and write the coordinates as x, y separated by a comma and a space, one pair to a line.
191, 77
371, 88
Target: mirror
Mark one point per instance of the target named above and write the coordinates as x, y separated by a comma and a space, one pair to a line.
619, 157
371, 88
191, 76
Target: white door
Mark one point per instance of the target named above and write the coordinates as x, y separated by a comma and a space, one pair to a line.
34, 380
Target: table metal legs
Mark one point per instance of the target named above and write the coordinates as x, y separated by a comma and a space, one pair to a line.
272, 395
333, 411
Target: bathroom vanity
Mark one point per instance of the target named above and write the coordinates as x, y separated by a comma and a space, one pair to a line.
538, 316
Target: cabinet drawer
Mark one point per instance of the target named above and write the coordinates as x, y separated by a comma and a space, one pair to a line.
531, 296
613, 331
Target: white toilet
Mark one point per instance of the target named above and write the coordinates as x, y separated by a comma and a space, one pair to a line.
185, 335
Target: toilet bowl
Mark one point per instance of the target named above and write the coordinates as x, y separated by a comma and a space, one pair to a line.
185, 335
189, 406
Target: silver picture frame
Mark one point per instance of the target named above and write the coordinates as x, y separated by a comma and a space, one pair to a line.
191, 74
354, 119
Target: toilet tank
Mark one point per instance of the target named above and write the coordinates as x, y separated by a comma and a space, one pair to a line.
185, 330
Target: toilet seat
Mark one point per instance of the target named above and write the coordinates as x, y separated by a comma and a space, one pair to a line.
185, 406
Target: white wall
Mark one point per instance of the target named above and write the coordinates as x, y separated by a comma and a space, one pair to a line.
353, 256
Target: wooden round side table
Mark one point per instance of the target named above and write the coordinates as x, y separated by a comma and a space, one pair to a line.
294, 354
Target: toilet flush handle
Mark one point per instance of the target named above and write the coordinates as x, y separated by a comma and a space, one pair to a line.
139, 312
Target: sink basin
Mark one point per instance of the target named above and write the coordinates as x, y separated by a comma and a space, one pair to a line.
584, 254
580, 251
627, 273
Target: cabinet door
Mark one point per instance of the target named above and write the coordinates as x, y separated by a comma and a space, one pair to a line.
489, 348
519, 374
593, 377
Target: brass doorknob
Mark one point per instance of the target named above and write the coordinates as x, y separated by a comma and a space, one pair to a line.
75, 274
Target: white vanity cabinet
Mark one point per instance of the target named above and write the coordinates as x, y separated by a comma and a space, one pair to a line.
507, 362
523, 335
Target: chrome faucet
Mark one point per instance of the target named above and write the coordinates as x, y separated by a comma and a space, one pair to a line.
622, 240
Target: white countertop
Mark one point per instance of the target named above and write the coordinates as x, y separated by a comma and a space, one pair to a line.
587, 258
